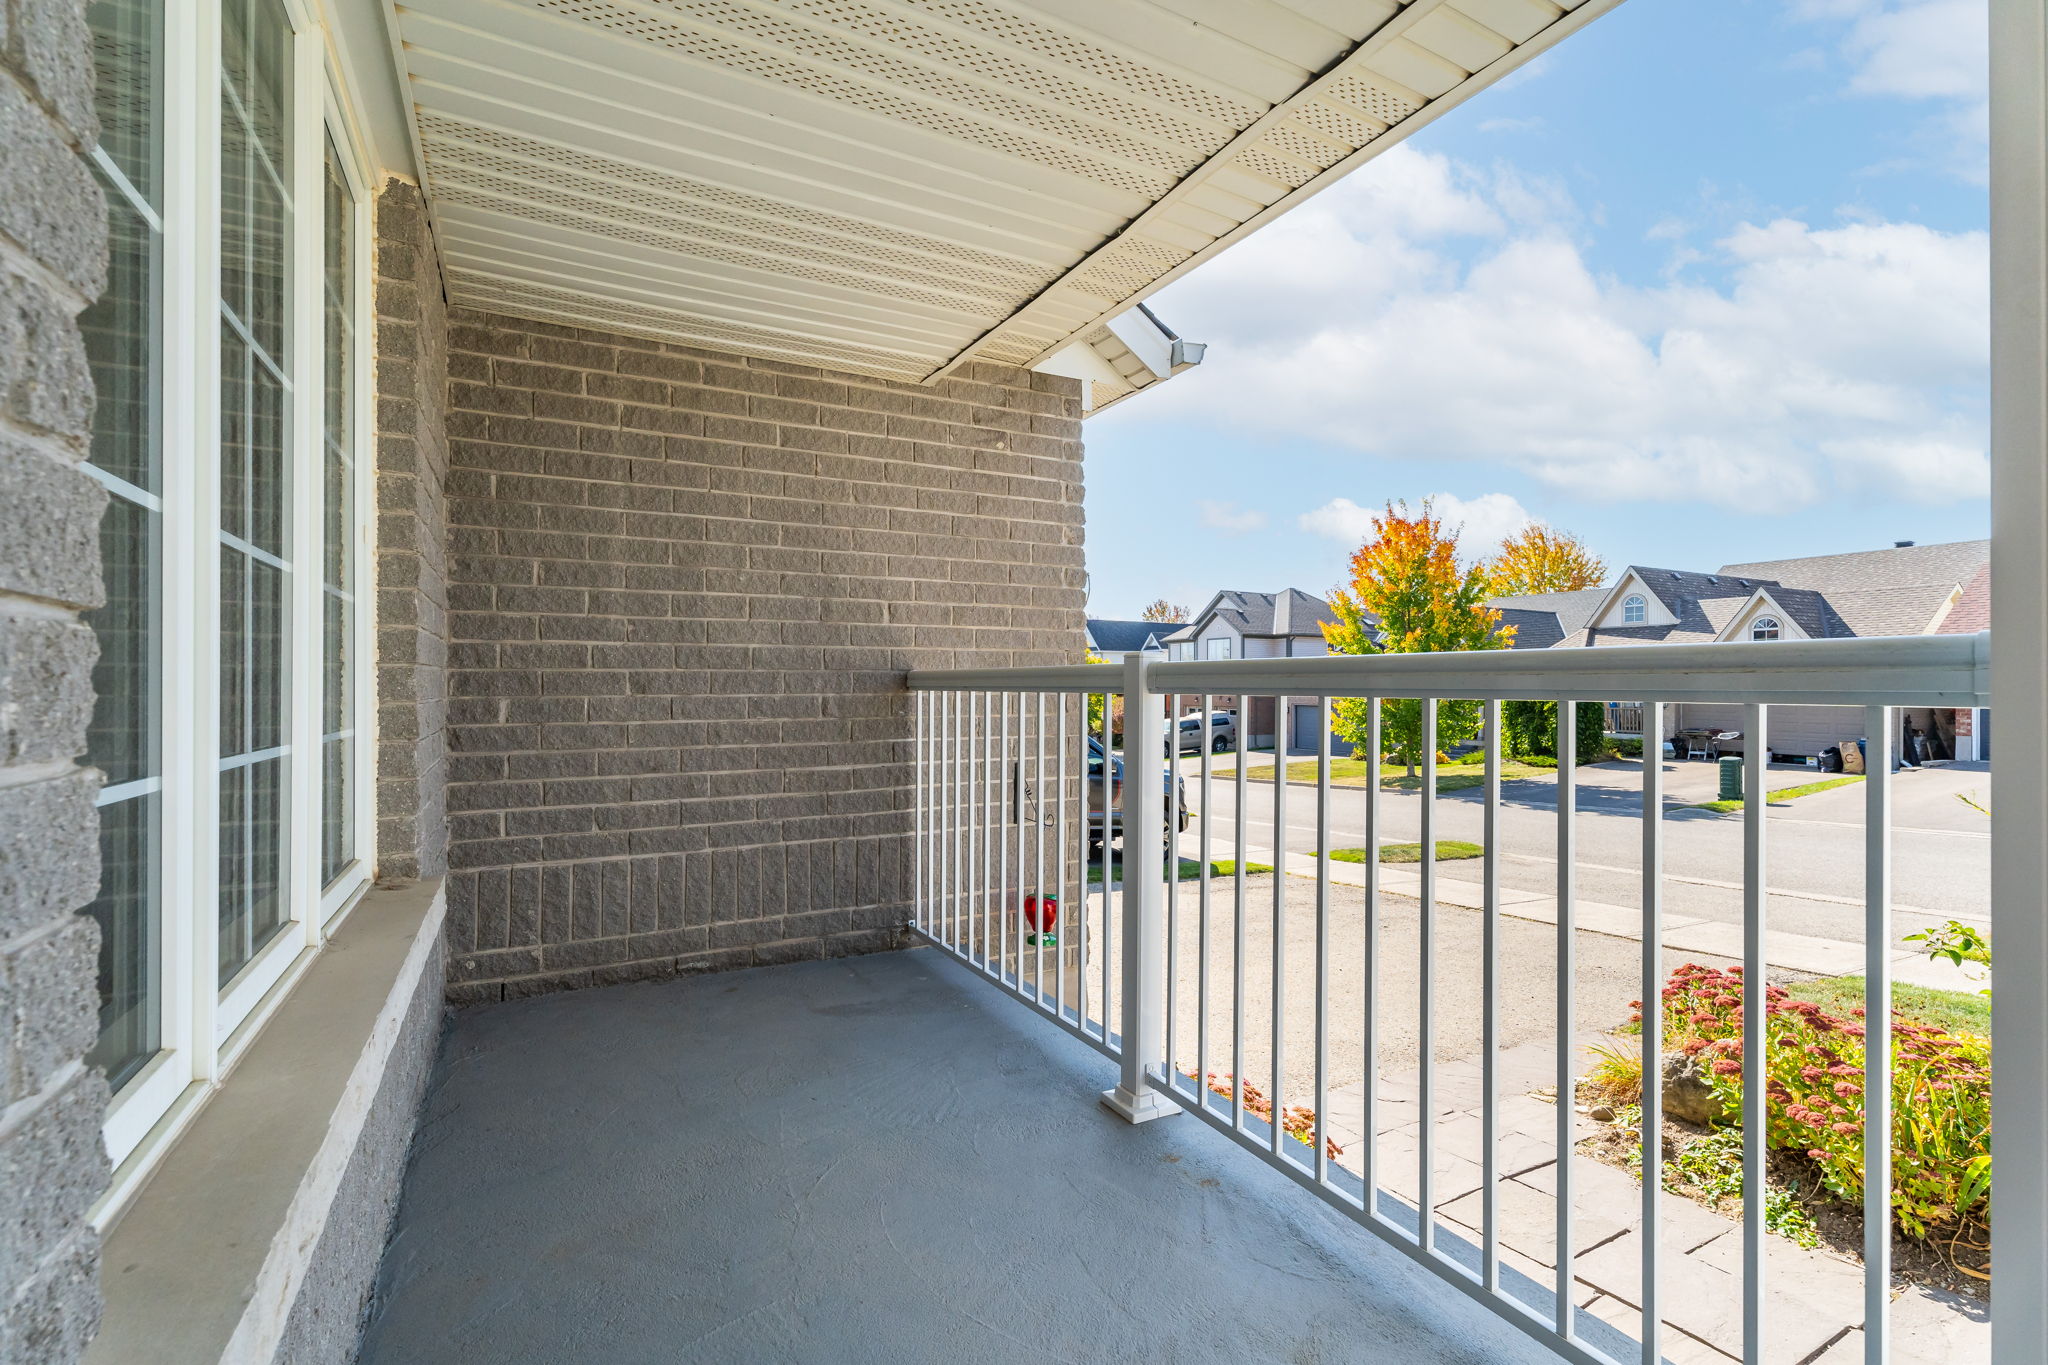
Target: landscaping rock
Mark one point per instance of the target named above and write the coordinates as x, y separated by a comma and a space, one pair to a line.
1687, 1093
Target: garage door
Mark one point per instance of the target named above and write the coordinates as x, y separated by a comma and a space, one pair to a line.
1796, 731
1306, 740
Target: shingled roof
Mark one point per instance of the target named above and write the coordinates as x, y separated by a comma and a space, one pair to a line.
1128, 637
1271, 615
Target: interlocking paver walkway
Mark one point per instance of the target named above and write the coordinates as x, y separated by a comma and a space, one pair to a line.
1813, 1300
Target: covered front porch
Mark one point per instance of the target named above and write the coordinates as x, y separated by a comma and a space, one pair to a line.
872, 1158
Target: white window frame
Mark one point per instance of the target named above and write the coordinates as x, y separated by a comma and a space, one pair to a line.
1763, 623
1219, 646
204, 1025
1635, 609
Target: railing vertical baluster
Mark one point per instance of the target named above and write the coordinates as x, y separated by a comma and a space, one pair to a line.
1059, 876
1244, 752
1425, 1147
1038, 851
1489, 1008
1567, 856
1651, 1047
1172, 890
1279, 997
1003, 792
1877, 1036
991, 795
1322, 1091
1112, 807
1206, 853
917, 783
1369, 1159
976, 881
1754, 798
1085, 899
956, 705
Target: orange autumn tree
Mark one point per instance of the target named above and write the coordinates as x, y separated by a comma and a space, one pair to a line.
1409, 595
1538, 559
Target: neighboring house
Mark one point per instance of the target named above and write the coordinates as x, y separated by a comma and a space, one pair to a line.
1905, 590
1970, 614
1260, 625
1110, 641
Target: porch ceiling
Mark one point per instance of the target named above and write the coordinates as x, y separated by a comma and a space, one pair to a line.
892, 187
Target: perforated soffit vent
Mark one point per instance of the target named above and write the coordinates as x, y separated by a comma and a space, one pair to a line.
894, 187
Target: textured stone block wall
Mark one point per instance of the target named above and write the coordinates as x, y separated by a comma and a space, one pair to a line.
52, 263
412, 541
684, 587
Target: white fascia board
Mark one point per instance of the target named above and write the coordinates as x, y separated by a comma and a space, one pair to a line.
1083, 362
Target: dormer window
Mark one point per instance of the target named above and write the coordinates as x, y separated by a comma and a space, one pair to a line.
1764, 628
1634, 610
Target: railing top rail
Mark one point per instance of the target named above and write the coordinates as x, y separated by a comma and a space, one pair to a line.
1074, 678
1907, 670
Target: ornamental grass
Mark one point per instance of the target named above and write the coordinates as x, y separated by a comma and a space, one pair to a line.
1814, 1087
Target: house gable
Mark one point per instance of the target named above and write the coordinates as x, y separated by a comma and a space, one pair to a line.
1612, 612
1762, 605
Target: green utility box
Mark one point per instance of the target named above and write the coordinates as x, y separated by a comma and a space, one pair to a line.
1731, 777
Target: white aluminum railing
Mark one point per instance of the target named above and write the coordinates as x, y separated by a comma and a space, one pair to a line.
1016, 786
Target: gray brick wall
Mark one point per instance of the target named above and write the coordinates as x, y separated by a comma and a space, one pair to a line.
412, 541
52, 263
683, 588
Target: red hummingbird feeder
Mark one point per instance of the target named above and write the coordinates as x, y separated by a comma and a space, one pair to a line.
1042, 915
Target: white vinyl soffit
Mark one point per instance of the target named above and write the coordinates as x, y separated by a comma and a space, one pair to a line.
893, 187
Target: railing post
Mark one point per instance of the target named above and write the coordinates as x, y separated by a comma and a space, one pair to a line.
1142, 807
2019, 674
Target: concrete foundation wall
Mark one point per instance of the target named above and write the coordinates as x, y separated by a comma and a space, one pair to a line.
412, 541
52, 264
683, 589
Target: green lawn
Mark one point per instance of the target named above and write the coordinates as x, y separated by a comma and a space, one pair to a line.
1954, 1011
1781, 794
1190, 869
1446, 850
1350, 772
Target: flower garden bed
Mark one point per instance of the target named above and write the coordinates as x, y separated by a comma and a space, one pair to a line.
1814, 1077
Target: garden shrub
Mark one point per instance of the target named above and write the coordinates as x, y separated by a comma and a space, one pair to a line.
1529, 729
1813, 1094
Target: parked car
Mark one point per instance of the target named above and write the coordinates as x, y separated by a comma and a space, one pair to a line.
1109, 794
1186, 733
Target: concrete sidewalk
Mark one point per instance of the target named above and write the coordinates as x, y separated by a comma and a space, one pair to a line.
1715, 938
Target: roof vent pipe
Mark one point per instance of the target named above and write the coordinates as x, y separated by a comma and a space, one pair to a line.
1902, 545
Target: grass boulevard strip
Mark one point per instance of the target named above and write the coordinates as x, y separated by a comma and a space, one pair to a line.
1351, 772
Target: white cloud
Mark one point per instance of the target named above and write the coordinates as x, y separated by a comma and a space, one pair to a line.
1480, 523
1833, 358
1339, 519
1229, 518
1932, 50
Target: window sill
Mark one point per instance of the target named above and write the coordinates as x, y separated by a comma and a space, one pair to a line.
207, 1260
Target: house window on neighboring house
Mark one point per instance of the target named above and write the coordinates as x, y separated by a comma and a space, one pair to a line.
1764, 628
231, 685
1220, 648
1634, 610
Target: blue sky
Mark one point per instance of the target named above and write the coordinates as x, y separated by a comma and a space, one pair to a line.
1706, 283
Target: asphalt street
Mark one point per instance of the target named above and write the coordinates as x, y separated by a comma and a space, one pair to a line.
1814, 846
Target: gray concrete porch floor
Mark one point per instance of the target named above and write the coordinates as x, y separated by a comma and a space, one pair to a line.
871, 1159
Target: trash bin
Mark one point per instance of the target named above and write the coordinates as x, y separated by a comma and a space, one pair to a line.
1731, 777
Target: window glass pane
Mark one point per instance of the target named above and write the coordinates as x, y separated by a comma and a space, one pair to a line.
255, 486
123, 345
337, 662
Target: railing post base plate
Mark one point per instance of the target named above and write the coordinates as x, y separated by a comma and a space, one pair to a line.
1146, 1105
